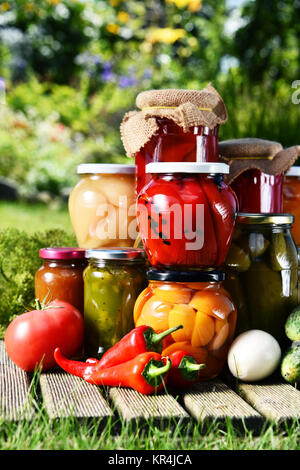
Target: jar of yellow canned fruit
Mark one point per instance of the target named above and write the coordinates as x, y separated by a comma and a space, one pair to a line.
102, 206
197, 301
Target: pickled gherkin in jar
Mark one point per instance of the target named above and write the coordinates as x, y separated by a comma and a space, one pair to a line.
112, 282
262, 273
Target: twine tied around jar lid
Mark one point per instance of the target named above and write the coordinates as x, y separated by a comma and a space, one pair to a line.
259, 154
186, 108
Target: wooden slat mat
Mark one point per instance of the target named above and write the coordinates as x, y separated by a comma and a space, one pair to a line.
215, 401
15, 398
276, 401
159, 409
65, 394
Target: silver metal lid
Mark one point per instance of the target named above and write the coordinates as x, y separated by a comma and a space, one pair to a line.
105, 168
188, 167
115, 253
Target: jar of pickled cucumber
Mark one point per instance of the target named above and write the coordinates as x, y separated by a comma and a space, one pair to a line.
113, 280
196, 300
262, 272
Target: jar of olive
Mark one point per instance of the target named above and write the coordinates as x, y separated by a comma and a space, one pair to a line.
113, 280
262, 272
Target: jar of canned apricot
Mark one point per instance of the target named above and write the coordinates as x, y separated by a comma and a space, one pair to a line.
197, 301
102, 206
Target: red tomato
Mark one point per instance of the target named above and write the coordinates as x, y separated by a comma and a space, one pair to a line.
33, 336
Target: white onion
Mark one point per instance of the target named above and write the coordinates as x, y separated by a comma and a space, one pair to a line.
253, 355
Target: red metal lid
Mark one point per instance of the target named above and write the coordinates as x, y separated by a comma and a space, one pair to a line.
62, 253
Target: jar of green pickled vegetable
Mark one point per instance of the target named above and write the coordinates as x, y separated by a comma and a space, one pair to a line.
113, 280
262, 272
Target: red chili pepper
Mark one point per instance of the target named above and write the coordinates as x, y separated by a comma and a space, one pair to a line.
184, 371
146, 373
139, 340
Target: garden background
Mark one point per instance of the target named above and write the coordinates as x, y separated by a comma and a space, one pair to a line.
69, 71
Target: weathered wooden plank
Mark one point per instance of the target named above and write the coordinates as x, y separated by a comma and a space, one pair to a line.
160, 409
276, 401
15, 397
66, 395
215, 401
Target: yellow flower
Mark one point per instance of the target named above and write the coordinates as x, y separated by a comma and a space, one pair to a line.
123, 16
165, 35
29, 6
5, 6
193, 5
115, 3
112, 28
193, 42
54, 2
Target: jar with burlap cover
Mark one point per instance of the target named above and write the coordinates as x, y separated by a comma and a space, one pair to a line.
186, 108
251, 153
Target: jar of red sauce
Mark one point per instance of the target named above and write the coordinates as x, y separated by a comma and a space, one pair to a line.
258, 192
291, 199
171, 144
61, 275
186, 214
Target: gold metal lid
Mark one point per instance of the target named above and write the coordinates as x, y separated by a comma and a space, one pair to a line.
260, 219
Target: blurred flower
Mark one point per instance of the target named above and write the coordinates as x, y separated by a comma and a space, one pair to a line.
147, 73
107, 74
125, 82
115, 3
5, 6
193, 42
123, 16
193, 5
2, 90
112, 28
54, 2
165, 35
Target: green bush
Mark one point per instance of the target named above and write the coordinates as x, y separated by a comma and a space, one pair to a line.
19, 260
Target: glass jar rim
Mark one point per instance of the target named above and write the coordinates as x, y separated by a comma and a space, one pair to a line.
188, 167
264, 218
55, 253
127, 253
154, 274
105, 168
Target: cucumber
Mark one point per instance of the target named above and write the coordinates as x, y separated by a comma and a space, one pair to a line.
292, 325
290, 365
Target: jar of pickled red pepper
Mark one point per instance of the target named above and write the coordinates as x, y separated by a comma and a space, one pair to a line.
102, 206
262, 272
291, 199
61, 275
113, 280
170, 143
196, 300
186, 214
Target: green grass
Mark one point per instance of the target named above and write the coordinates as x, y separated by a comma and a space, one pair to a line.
42, 433
33, 217
73, 434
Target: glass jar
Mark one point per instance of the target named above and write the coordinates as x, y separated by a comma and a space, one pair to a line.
262, 272
291, 199
61, 275
258, 192
171, 144
197, 301
113, 280
186, 214
102, 206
